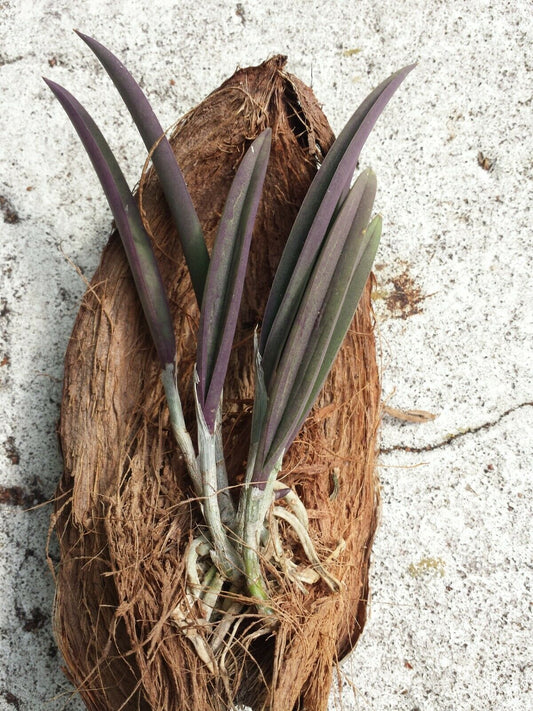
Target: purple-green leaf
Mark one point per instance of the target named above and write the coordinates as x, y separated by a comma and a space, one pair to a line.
225, 277
172, 180
327, 341
301, 360
135, 239
323, 199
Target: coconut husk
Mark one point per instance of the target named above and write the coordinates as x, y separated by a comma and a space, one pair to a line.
125, 509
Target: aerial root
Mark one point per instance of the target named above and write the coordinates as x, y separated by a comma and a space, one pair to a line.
209, 615
309, 549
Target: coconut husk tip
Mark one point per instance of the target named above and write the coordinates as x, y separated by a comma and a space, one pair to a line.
125, 510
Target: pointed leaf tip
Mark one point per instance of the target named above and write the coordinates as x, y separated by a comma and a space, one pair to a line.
329, 187
172, 181
136, 242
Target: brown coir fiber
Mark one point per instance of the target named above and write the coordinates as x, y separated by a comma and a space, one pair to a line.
125, 509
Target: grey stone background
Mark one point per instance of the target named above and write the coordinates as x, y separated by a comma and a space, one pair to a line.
450, 623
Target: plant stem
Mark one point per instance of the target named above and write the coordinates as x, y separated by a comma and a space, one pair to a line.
177, 421
227, 509
243, 498
224, 555
257, 502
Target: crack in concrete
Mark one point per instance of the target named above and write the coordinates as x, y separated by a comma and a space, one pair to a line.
455, 436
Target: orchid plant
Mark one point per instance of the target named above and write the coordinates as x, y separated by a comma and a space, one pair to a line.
313, 298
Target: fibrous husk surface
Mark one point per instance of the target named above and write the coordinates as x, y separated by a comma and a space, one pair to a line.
125, 508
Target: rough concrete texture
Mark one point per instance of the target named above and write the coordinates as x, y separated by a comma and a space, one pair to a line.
450, 624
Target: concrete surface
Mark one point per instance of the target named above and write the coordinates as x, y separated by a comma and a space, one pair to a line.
450, 626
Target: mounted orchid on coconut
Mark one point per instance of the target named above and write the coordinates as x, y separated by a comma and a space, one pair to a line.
207, 558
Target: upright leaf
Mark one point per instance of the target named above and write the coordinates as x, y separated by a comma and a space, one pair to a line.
136, 241
339, 312
225, 277
308, 339
314, 218
172, 180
